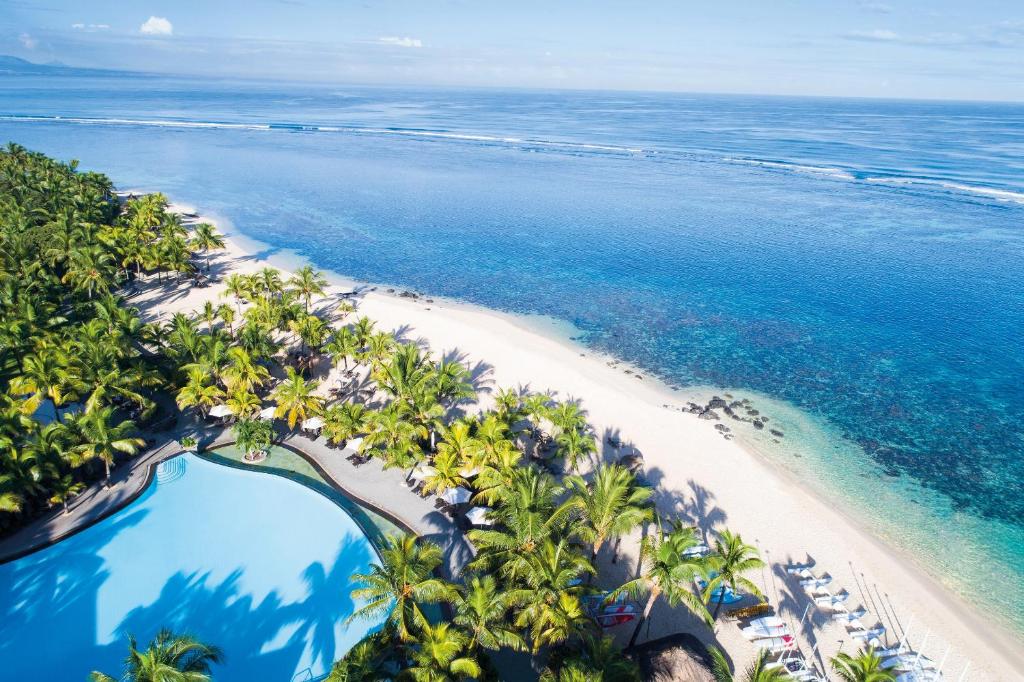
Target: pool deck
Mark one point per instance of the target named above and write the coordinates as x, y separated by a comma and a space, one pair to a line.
369, 484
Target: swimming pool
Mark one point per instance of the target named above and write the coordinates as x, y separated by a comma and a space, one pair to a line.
257, 564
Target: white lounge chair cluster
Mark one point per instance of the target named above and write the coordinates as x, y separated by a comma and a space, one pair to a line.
772, 634
909, 666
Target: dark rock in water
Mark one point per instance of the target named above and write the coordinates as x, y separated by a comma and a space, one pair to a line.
776, 432
736, 403
716, 403
391, 291
708, 414
723, 428
752, 412
728, 411
430, 300
729, 396
758, 424
764, 419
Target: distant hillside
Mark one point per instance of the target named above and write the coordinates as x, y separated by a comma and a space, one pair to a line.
16, 66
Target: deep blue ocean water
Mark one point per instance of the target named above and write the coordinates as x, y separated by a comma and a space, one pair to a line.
860, 260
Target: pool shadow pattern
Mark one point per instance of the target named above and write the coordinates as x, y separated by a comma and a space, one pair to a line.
49, 619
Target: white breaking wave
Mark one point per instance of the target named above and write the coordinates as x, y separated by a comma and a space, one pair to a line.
298, 127
796, 167
1000, 194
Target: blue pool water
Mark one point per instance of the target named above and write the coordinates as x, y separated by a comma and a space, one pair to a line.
857, 265
254, 563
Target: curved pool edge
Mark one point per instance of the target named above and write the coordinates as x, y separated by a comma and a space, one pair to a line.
150, 470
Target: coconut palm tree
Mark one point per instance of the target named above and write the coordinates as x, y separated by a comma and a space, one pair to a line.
198, 392
63, 488
243, 403
593, 658
755, 672
394, 437
567, 416
311, 330
730, 560
90, 269
46, 374
452, 383
296, 399
441, 655
104, 439
345, 421
239, 287
573, 446
548, 603
227, 315
399, 583
447, 474
665, 570
481, 609
342, 347
169, 658
610, 507
242, 372
206, 239
308, 283
253, 436
864, 667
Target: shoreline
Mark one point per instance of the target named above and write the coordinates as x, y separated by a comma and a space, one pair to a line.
524, 349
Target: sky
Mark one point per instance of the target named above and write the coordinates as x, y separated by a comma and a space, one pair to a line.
936, 49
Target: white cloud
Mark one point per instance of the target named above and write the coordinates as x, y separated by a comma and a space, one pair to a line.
879, 34
401, 42
89, 28
157, 26
28, 41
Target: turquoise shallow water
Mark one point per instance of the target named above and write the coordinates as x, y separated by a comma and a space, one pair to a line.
860, 262
252, 562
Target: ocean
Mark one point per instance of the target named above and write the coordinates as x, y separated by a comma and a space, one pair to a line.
855, 266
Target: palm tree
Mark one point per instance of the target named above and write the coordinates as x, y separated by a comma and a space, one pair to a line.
610, 507
666, 570
447, 474
756, 672
567, 417
537, 407
308, 283
104, 439
342, 347
549, 603
253, 436
594, 658
238, 286
295, 398
242, 372
311, 331
198, 392
227, 315
395, 437
90, 269
441, 655
730, 560
206, 239
169, 658
452, 382
400, 582
243, 403
63, 488
865, 667
46, 374
574, 446
345, 421
481, 608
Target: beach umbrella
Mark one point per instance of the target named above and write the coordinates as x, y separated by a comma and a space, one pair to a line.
267, 413
220, 411
312, 424
354, 443
477, 516
423, 471
456, 495
467, 472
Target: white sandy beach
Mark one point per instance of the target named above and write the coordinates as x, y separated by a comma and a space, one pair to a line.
699, 475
